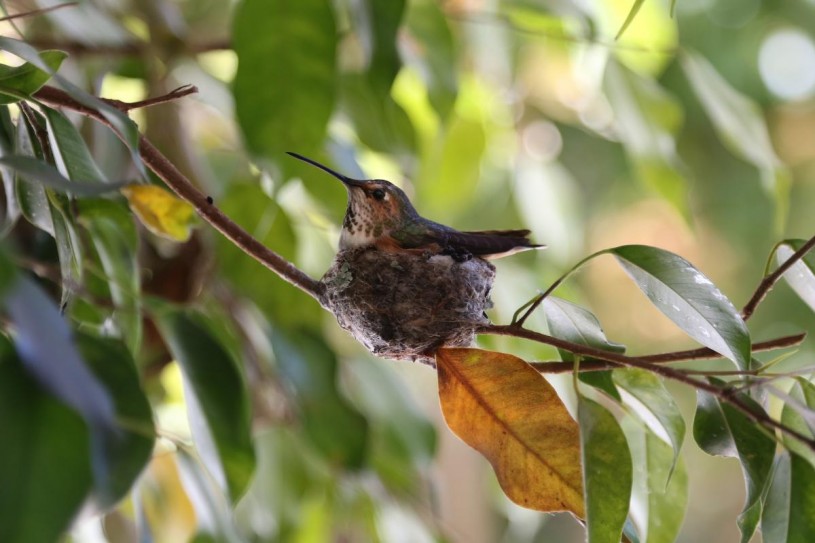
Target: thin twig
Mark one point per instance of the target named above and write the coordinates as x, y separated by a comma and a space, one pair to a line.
131, 49
35, 12
770, 280
174, 179
722, 394
174, 94
664, 358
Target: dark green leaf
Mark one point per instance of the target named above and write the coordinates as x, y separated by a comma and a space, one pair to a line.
332, 425
688, 298
113, 232
722, 430
45, 464
70, 151
21, 81
383, 19
45, 344
790, 501
801, 276
285, 87
607, 472
660, 494
37, 171
126, 451
653, 403
216, 392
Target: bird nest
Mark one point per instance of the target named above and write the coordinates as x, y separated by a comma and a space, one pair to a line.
404, 306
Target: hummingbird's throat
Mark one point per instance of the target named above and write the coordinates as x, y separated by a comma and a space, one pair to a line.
359, 228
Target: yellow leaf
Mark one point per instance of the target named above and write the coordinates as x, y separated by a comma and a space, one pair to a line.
161, 211
500, 406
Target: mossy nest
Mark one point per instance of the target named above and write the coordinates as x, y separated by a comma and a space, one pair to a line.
404, 306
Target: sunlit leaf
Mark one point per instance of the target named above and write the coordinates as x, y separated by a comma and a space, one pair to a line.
24, 80
216, 393
504, 409
307, 365
721, 430
113, 233
285, 87
660, 494
650, 399
162, 212
635, 8
741, 126
787, 516
607, 472
801, 276
45, 458
688, 298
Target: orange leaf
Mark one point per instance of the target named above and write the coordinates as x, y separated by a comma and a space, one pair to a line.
500, 406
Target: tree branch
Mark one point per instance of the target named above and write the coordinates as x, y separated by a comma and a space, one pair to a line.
770, 280
722, 394
132, 49
175, 94
174, 179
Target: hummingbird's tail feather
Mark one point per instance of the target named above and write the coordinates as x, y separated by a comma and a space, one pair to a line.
492, 244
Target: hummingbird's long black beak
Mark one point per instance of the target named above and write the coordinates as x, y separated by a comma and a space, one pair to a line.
346, 180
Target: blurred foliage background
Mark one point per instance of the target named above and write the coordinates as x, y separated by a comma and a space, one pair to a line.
693, 132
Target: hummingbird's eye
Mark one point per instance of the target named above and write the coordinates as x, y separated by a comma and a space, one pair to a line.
378, 194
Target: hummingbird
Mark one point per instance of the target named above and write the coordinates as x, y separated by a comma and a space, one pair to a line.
380, 214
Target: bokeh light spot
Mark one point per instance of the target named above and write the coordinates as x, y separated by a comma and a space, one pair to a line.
786, 62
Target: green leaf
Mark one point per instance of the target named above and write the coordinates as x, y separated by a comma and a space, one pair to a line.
285, 86
70, 152
307, 365
801, 275
635, 8
24, 80
648, 120
607, 472
37, 171
660, 493
740, 124
648, 397
722, 430
44, 461
790, 501
437, 55
383, 21
800, 417
684, 295
113, 232
218, 402
127, 451
46, 346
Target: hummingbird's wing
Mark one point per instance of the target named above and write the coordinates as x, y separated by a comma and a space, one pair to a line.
491, 244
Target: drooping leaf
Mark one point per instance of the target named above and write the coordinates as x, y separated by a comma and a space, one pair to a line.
285, 86
607, 471
648, 120
800, 417
125, 452
45, 467
648, 397
113, 232
684, 295
801, 275
37, 171
500, 406
383, 20
660, 494
70, 152
741, 126
307, 365
24, 80
162, 212
31, 195
722, 430
790, 501
217, 400
46, 345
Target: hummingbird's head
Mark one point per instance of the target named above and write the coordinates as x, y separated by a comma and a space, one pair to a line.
375, 206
